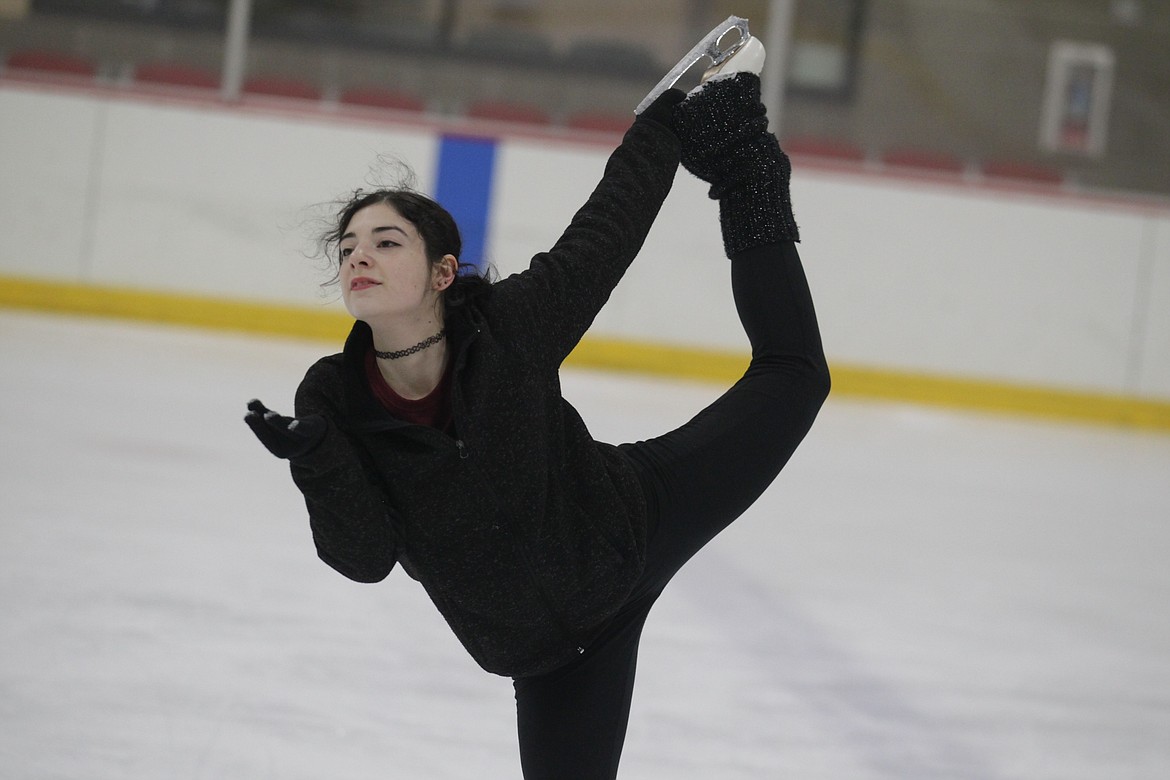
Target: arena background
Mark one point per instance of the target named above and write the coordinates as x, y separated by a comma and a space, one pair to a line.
933, 588
1032, 289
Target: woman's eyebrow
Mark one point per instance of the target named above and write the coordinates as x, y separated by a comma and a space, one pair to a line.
382, 229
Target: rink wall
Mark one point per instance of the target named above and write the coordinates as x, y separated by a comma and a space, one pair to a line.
941, 290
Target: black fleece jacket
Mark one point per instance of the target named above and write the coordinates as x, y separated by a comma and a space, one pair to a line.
525, 532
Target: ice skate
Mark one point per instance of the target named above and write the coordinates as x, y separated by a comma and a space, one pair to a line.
745, 53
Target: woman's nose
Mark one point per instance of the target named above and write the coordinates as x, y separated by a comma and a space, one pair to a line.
358, 256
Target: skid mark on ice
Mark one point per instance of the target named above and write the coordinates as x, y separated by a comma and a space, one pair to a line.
871, 721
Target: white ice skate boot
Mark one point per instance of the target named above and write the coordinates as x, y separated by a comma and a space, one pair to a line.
748, 57
745, 54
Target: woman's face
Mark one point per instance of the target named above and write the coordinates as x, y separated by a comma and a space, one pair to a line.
385, 274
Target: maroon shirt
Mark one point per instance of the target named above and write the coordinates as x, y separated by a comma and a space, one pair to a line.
433, 409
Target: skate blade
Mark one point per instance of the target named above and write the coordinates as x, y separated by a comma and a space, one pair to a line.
708, 48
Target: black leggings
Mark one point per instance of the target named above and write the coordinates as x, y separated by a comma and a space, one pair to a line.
697, 480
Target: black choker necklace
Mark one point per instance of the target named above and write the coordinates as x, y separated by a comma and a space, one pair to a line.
419, 347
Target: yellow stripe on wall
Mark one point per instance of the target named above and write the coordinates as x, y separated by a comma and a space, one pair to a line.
1003, 397
174, 308
610, 354
882, 384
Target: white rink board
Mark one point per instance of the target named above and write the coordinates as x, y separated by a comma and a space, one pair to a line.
932, 278
47, 162
1027, 289
214, 202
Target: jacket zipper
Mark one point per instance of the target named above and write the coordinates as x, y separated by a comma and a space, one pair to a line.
463, 454
456, 414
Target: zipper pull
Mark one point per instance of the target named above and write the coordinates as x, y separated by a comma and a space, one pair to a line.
463, 455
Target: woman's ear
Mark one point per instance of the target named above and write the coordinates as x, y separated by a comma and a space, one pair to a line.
444, 272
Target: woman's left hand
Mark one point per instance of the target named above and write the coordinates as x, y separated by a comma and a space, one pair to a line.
285, 437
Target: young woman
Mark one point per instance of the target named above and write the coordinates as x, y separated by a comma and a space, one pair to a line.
438, 438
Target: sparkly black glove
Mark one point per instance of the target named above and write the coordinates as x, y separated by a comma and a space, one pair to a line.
285, 437
725, 142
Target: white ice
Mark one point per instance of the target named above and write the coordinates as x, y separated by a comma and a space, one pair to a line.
921, 595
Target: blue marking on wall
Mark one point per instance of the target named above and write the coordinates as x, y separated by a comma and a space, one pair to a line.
464, 188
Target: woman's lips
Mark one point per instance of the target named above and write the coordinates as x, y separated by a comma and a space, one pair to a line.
362, 283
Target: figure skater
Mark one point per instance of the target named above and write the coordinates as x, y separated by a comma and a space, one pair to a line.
438, 438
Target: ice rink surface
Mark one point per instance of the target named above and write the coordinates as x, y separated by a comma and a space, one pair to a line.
922, 594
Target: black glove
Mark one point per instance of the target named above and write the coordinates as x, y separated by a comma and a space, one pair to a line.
285, 437
723, 128
662, 109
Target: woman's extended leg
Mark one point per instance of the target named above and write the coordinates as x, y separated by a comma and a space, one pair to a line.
702, 476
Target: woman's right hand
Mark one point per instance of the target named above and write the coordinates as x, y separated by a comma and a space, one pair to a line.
662, 109
285, 437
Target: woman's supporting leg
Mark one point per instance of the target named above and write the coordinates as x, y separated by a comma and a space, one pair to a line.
572, 722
